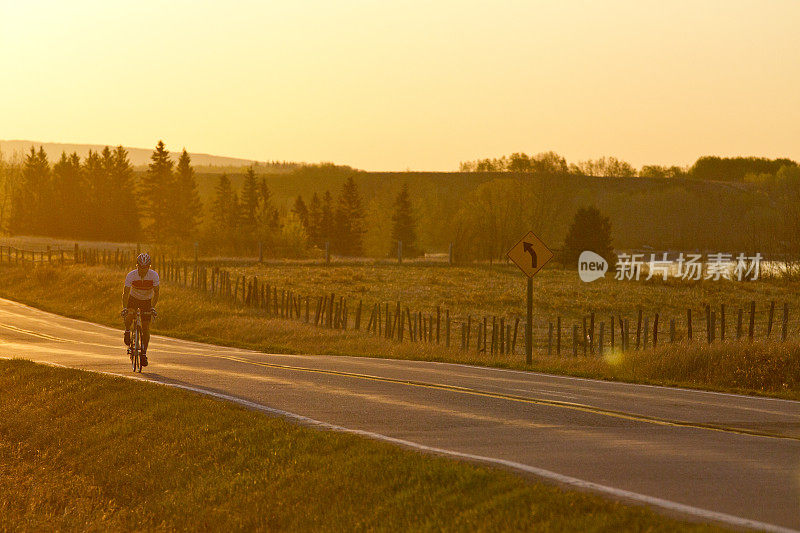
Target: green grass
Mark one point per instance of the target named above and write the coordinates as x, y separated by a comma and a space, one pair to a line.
761, 367
84, 451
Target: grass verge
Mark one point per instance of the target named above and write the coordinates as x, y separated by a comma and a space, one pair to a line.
84, 451
766, 367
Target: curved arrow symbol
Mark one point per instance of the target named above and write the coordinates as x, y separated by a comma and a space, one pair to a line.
528, 247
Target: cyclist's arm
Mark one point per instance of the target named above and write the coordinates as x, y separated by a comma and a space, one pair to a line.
154, 301
126, 292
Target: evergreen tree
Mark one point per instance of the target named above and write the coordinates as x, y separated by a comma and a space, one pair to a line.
70, 193
157, 187
403, 225
187, 204
96, 187
268, 214
315, 220
250, 203
30, 213
235, 216
108, 211
222, 208
326, 226
590, 230
124, 216
349, 221
301, 211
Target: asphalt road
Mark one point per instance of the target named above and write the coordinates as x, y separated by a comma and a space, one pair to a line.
716, 457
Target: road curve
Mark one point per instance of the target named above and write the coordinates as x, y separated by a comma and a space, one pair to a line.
729, 458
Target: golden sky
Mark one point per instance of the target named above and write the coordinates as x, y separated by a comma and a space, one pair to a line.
417, 85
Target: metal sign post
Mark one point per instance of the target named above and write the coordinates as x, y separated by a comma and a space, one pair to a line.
529, 325
530, 254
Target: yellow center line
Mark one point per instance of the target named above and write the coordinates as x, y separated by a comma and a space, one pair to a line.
475, 392
513, 398
33, 333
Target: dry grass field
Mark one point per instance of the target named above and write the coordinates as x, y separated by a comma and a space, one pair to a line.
74, 456
763, 366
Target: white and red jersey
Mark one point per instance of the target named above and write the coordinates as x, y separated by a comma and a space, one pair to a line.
141, 287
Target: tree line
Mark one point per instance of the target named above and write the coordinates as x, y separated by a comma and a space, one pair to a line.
100, 197
294, 214
243, 220
705, 168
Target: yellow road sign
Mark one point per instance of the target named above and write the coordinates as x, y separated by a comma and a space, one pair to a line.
530, 254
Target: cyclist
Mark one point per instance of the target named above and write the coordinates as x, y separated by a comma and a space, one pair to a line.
140, 292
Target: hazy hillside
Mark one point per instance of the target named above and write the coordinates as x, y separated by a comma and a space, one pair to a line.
486, 212
663, 213
138, 156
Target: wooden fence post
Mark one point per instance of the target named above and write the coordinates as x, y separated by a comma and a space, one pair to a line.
752, 327
320, 309
626, 335
655, 330
371, 320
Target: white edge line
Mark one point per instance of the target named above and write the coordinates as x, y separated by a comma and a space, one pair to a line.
422, 361
547, 474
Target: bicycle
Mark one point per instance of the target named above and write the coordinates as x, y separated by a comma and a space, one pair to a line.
135, 348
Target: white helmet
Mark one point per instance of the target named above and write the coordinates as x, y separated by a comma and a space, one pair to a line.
143, 260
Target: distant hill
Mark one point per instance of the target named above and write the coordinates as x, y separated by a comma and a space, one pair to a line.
139, 157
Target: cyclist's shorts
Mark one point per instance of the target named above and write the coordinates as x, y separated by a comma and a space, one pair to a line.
144, 305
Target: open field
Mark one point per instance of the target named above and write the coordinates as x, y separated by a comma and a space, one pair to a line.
91, 452
760, 367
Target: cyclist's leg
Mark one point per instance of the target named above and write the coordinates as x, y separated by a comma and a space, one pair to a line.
146, 325
128, 322
145, 335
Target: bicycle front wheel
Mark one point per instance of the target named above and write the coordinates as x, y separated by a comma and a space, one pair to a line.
135, 348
